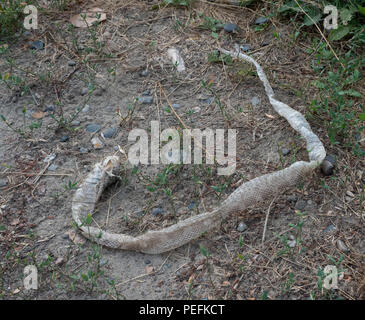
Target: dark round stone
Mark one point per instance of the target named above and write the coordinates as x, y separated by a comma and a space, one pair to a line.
285, 151
328, 165
157, 211
144, 73
37, 45
261, 20
92, 127
109, 133
230, 27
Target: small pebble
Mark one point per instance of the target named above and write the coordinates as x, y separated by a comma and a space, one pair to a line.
49, 108
52, 167
84, 91
86, 109
292, 198
328, 164
292, 243
285, 151
145, 100
92, 127
144, 73
3, 183
176, 106
242, 227
341, 245
64, 138
196, 110
103, 262
97, 144
230, 27
245, 48
205, 99
109, 133
147, 261
157, 211
191, 205
99, 92
330, 228
84, 150
37, 45
75, 123
255, 101
300, 205
72, 63
261, 20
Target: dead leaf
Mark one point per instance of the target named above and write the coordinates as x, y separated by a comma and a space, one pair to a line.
149, 269
16, 291
226, 284
15, 222
269, 116
85, 19
75, 238
38, 115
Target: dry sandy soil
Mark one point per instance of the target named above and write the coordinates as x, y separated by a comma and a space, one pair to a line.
319, 223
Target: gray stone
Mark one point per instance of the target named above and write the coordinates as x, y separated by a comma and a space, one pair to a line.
109, 133
330, 228
292, 243
242, 227
86, 109
146, 93
64, 138
191, 205
52, 167
37, 45
255, 101
157, 211
92, 127
300, 205
84, 91
245, 48
3, 183
292, 198
49, 108
230, 27
103, 262
285, 151
75, 123
72, 63
144, 73
145, 99
261, 20
84, 150
176, 106
147, 261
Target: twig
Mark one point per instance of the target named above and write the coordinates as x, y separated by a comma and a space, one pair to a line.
266, 219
